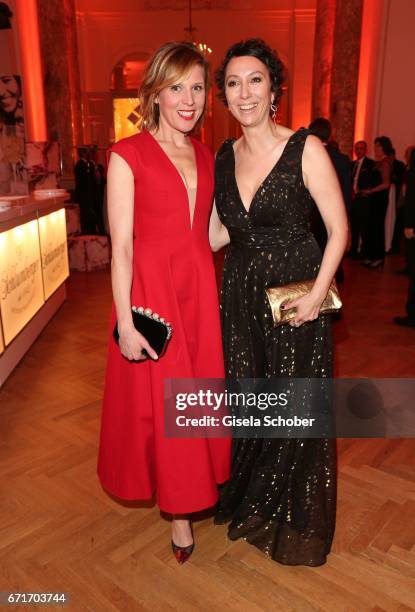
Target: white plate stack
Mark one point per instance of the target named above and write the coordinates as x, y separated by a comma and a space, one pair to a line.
40, 194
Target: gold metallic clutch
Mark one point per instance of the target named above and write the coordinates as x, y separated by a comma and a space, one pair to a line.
278, 296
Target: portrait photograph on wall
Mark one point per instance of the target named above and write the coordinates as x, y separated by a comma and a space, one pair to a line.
13, 175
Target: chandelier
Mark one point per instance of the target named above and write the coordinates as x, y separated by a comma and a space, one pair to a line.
190, 33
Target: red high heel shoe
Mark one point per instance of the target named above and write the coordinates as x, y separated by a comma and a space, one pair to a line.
183, 553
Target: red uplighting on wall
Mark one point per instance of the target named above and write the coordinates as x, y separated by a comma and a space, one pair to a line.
30, 59
369, 51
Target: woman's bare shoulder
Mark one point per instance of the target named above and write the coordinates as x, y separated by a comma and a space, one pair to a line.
283, 132
313, 145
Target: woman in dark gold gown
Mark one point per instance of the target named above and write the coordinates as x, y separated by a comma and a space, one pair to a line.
281, 496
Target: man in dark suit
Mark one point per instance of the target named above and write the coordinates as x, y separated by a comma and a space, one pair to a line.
362, 173
321, 128
86, 190
397, 178
341, 163
409, 222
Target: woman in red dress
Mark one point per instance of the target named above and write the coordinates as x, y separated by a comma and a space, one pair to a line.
160, 192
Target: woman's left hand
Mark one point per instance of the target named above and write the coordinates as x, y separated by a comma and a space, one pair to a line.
307, 309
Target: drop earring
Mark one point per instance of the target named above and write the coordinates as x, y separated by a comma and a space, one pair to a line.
274, 109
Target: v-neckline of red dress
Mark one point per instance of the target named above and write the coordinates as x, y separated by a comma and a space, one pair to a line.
180, 178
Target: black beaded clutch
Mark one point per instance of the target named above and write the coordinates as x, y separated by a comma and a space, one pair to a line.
154, 328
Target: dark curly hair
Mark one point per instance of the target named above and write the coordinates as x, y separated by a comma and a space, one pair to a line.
253, 47
385, 143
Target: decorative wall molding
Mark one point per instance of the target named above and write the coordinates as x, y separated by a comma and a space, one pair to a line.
179, 5
305, 15
276, 17
279, 15
128, 6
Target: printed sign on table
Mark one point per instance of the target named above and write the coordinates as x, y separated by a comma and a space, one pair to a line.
21, 287
54, 250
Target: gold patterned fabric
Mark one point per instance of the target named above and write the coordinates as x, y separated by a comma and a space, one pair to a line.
282, 493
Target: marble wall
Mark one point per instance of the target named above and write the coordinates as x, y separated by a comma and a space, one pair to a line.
323, 58
345, 71
336, 66
57, 23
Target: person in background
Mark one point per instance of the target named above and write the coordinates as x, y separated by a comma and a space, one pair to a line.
409, 232
321, 127
398, 178
362, 169
397, 173
86, 190
381, 179
408, 152
100, 181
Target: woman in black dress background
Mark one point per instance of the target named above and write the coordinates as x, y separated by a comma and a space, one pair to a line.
378, 202
282, 493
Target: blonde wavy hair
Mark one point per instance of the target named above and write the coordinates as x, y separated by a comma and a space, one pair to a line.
170, 64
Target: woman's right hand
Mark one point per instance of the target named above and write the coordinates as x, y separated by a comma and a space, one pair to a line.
132, 344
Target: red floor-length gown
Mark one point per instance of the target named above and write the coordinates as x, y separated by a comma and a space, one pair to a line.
173, 274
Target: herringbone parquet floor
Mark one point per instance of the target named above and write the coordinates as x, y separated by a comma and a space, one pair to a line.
59, 531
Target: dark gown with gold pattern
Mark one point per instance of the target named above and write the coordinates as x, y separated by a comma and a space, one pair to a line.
281, 496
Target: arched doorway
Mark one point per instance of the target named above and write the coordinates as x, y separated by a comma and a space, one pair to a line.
125, 81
